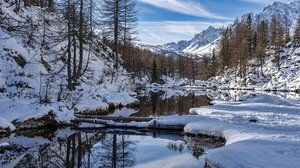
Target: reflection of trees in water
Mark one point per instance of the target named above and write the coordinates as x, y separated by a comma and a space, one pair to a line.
175, 146
154, 99
114, 151
157, 104
196, 145
83, 150
196, 149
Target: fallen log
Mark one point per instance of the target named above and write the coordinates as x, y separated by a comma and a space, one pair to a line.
116, 119
113, 124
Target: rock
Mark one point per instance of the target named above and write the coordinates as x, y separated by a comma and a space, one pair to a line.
253, 120
46, 121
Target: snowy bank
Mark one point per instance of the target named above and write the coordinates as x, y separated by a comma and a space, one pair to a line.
273, 141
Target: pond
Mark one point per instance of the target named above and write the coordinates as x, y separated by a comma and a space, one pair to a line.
119, 147
106, 148
156, 103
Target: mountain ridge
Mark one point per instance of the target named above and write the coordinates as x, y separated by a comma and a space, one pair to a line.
201, 45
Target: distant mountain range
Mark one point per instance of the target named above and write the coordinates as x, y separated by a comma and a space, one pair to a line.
202, 44
198, 45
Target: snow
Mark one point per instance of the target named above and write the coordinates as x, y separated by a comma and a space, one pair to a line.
285, 79
124, 112
200, 45
181, 83
6, 124
117, 98
90, 105
4, 144
257, 153
25, 78
271, 142
205, 50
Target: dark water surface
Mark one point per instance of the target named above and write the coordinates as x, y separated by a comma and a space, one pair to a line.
165, 102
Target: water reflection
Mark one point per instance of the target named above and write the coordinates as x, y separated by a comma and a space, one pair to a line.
162, 104
114, 150
108, 148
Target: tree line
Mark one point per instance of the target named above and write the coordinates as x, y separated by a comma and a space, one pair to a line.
246, 40
114, 22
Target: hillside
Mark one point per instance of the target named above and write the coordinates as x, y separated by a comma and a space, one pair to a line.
33, 74
287, 78
280, 69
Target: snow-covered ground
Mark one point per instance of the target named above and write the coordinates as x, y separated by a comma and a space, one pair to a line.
30, 73
287, 78
272, 141
261, 131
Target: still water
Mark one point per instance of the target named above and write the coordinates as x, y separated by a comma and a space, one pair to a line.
106, 148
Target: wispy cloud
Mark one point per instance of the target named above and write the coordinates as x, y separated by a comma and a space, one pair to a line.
264, 2
188, 7
172, 31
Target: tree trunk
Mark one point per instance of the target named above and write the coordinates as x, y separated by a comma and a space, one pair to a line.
116, 33
69, 50
80, 64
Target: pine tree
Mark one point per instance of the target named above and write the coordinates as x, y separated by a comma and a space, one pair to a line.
296, 36
287, 37
262, 42
111, 25
154, 73
69, 55
128, 19
214, 66
277, 39
225, 49
249, 36
119, 20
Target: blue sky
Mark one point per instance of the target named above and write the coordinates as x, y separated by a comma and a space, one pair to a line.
162, 21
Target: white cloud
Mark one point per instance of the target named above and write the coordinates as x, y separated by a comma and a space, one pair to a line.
188, 7
265, 2
172, 31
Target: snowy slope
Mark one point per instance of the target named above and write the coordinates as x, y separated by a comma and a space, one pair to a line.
28, 72
273, 141
289, 11
202, 41
200, 45
287, 78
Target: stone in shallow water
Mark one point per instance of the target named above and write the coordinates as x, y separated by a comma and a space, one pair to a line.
253, 120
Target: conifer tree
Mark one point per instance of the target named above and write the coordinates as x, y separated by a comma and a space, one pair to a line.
225, 49
296, 36
154, 73
262, 42
277, 39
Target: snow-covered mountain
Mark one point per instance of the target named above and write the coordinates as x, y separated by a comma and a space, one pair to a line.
203, 43
269, 77
287, 12
199, 45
